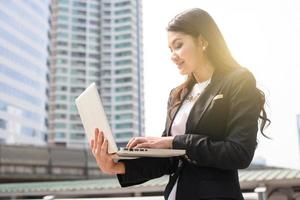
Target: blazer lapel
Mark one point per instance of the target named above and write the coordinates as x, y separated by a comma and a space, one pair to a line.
174, 110
203, 102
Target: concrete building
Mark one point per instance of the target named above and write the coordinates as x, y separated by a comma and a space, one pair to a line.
23, 71
96, 41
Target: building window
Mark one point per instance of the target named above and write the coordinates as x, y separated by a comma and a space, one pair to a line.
124, 125
3, 106
124, 80
60, 135
78, 55
124, 3
77, 72
78, 29
107, 5
123, 62
93, 47
2, 124
79, 4
94, 6
123, 20
124, 135
78, 80
79, 12
94, 14
62, 1
96, 65
123, 37
60, 125
62, 35
61, 97
61, 78
93, 73
123, 45
124, 107
77, 126
107, 13
74, 117
121, 12
78, 46
62, 19
60, 116
123, 71
123, 98
124, 116
29, 131
123, 28
61, 61
61, 43
65, 10
77, 136
124, 89
60, 106
93, 55
123, 53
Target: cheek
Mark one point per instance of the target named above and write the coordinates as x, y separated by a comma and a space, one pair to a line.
194, 58
183, 54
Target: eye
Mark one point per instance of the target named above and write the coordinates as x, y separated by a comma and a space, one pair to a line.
178, 45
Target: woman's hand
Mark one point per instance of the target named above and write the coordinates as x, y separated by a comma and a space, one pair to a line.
151, 142
104, 160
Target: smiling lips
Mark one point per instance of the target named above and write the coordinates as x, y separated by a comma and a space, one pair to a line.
179, 64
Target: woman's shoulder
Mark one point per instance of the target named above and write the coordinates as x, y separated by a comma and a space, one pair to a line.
240, 74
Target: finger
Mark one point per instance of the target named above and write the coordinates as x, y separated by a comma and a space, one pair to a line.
143, 145
100, 140
104, 148
130, 141
93, 147
92, 143
137, 141
96, 138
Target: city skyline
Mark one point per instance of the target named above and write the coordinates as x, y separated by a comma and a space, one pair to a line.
96, 41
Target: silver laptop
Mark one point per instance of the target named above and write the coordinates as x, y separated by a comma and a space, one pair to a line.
92, 115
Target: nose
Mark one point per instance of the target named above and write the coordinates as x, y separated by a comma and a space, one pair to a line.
174, 57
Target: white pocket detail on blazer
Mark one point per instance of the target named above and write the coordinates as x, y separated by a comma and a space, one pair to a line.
219, 96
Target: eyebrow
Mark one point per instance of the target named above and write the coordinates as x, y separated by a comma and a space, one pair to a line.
174, 41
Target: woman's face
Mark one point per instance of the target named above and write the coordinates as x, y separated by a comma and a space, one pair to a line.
187, 52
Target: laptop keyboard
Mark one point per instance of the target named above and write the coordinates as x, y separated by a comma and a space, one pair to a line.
134, 149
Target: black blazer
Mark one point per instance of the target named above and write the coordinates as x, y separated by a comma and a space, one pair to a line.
220, 138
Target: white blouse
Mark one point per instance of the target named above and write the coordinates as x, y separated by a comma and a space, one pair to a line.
179, 123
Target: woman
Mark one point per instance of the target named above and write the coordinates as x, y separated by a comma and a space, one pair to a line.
213, 115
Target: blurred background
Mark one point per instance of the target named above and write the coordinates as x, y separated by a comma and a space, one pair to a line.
51, 50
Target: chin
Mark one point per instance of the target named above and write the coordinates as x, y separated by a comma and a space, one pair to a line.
183, 72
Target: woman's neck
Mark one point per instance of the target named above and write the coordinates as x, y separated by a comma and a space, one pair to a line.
203, 73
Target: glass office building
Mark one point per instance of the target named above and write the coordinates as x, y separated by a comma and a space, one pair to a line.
96, 41
23, 71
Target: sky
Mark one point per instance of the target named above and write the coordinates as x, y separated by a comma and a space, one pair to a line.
263, 36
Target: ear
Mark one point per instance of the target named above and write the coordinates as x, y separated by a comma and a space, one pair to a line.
202, 43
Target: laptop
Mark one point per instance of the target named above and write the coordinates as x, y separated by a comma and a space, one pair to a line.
92, 114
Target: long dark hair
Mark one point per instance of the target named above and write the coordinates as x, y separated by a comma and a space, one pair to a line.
196, 22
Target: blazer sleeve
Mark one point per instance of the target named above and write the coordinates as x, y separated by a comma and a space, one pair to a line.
140, 170
237, 149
